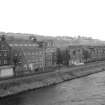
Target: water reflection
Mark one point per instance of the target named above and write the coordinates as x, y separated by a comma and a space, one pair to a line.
88, 90
14, 100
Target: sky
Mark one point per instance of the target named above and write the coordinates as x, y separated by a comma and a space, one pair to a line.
54, 17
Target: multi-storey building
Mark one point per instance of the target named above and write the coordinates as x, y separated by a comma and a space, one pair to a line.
76, 55
50, 53
29, 55
5, 59
97, 52
5, 52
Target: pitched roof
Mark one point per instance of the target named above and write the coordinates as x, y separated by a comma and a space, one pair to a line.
4, 43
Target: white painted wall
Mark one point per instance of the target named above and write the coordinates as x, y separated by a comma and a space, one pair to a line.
6, 72
31, 66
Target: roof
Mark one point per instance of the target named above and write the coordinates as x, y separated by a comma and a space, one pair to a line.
4, 43
29, 53
22, 43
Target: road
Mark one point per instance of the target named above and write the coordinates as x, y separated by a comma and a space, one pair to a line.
62, 69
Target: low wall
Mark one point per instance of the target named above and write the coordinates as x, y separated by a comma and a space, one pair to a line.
13, 86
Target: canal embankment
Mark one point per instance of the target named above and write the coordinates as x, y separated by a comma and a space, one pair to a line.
17, 85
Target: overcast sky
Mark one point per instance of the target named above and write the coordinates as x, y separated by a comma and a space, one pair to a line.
54, 17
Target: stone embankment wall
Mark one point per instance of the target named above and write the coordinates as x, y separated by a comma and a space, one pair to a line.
17, 85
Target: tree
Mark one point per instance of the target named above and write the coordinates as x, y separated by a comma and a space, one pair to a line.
86, 55
67, 57
59, 57
63, 57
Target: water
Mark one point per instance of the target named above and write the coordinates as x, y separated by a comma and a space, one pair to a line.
88, 90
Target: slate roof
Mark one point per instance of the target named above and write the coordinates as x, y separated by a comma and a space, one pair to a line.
31, 51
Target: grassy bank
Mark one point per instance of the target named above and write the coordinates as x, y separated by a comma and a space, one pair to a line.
13, 86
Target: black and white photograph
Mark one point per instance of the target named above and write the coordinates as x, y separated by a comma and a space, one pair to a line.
52, 52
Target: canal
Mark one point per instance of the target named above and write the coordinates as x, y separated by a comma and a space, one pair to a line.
89, 90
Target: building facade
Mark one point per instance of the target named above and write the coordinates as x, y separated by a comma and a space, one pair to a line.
5, 53
49, 53
76, 55
6, 64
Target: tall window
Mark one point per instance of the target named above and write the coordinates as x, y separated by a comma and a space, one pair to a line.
0, 54
5, 53
5, 62
74, 52
0, 62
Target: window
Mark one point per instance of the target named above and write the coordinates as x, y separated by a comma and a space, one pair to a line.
25, 44
30, 45
25, 66
2, 46
33, 45
20, 44
0, 54
74, 52
97, 51
32, 53
24, 53
0, 62
5, 53
5, 62
15, 44
11, 44
29, 53
78, 50
15, 54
